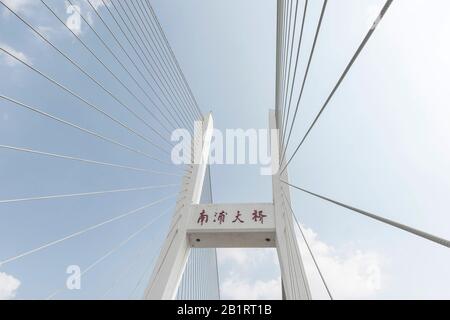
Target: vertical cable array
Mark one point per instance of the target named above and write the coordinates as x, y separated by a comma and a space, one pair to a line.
283, 110
200, 280
120, 69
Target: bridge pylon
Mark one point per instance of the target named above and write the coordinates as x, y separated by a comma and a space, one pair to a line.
244, 225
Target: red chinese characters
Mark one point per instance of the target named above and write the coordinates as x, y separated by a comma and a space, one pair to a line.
203, 218
220, 217
257, 216
237, 217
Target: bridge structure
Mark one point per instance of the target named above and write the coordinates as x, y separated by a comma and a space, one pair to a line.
185, 267
248, 225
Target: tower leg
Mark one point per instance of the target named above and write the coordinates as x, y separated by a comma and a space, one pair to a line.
171, 263
295, 283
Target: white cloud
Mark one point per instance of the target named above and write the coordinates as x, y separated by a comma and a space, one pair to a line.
252, 274
98, 3
246, 274
22, 6
9, 61
236, 288
8, 286
237, 256
350, 274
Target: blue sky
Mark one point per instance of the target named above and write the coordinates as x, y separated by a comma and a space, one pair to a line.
381, 145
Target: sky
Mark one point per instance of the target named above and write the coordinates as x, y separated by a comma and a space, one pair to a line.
381, 145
